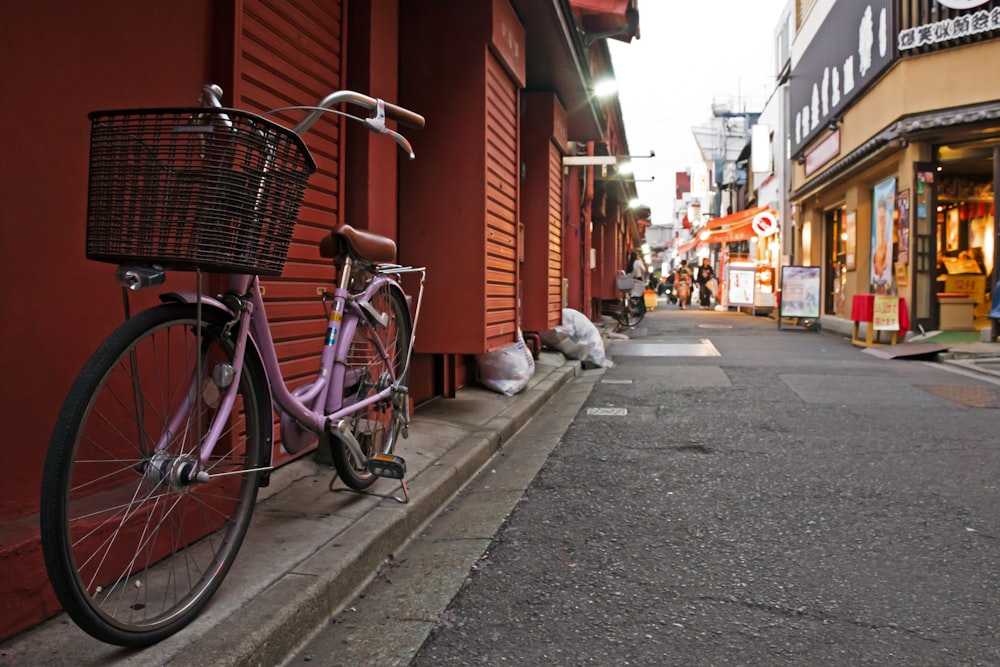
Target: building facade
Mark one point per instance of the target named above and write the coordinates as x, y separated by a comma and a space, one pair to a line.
895, 139
508, 234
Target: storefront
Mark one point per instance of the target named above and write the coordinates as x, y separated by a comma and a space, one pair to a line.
744, 248
893, 183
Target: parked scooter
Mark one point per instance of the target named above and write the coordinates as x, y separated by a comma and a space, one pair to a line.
666, 287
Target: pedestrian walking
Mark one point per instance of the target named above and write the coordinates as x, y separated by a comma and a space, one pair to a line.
682, 282
637, 270
707, 283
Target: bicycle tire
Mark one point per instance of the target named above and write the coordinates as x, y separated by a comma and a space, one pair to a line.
377, 427
628, 316
636, 312
133, 552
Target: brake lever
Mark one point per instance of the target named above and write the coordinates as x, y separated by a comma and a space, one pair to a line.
377, 124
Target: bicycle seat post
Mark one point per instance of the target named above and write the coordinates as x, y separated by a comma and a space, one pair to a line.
345, 275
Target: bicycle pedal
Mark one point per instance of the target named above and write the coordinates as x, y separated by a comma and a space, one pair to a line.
387, 465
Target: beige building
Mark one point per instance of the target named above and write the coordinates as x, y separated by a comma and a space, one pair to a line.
895, 142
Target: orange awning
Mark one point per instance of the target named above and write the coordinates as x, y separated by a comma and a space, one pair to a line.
687, 245
738, 232
746, 215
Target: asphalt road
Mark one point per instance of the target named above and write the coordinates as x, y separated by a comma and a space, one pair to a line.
726, 494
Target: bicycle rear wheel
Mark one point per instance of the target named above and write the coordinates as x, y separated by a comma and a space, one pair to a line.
376, 427
636, 310
134, 548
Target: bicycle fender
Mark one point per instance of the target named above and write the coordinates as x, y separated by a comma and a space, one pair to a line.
191, 297
253, 360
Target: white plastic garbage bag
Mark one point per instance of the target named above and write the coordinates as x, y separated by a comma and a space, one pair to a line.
508, 369
577, 338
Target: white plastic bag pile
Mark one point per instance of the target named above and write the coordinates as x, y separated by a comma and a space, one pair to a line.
508, 369
577, 338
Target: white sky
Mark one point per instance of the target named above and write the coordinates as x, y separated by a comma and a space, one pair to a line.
690, 53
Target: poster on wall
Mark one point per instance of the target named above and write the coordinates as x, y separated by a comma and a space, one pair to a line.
883, 206
741, 284
800, 290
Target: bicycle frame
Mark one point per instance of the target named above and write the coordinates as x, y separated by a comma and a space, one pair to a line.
315, 407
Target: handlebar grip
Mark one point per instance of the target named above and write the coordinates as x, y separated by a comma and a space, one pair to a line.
404, 116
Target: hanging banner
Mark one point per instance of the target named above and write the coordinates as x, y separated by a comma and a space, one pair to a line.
883, 206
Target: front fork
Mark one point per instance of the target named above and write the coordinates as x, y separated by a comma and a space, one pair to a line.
203, 389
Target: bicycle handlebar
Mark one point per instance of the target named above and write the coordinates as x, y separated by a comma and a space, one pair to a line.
212, 96
392, 111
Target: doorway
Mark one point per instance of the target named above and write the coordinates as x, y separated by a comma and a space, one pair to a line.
834, 263
965, 234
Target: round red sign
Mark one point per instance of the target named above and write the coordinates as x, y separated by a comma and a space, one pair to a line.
764, 223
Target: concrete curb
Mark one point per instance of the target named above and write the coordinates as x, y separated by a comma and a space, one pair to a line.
271, 625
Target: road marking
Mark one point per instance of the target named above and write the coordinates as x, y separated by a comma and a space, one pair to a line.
607, 412
616, 382
703, 348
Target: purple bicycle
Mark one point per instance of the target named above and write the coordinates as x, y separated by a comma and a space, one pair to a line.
156, 457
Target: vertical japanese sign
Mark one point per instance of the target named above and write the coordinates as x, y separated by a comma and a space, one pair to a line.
903, 234
883, 206
885, 313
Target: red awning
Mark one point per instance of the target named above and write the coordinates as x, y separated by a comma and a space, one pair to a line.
604, 6
618, 19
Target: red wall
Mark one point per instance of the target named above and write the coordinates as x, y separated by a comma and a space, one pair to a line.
62, 60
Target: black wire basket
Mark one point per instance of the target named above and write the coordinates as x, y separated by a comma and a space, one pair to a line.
211, 189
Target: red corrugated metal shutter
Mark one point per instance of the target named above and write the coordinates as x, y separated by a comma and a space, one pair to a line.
555, 237
501, 205
290, 54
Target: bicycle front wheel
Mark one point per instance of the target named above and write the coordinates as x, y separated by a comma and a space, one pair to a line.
133, 545
369, 371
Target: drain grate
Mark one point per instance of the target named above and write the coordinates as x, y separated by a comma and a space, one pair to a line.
972, 397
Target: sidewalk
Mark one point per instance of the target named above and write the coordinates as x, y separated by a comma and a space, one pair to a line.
310, 549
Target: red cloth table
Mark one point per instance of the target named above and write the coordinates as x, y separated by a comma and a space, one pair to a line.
863, 309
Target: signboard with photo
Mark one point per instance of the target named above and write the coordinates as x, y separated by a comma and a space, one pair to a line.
800, 290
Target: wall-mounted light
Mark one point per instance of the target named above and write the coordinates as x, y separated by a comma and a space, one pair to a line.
634, 203
605, 88
800, 159
834, 123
